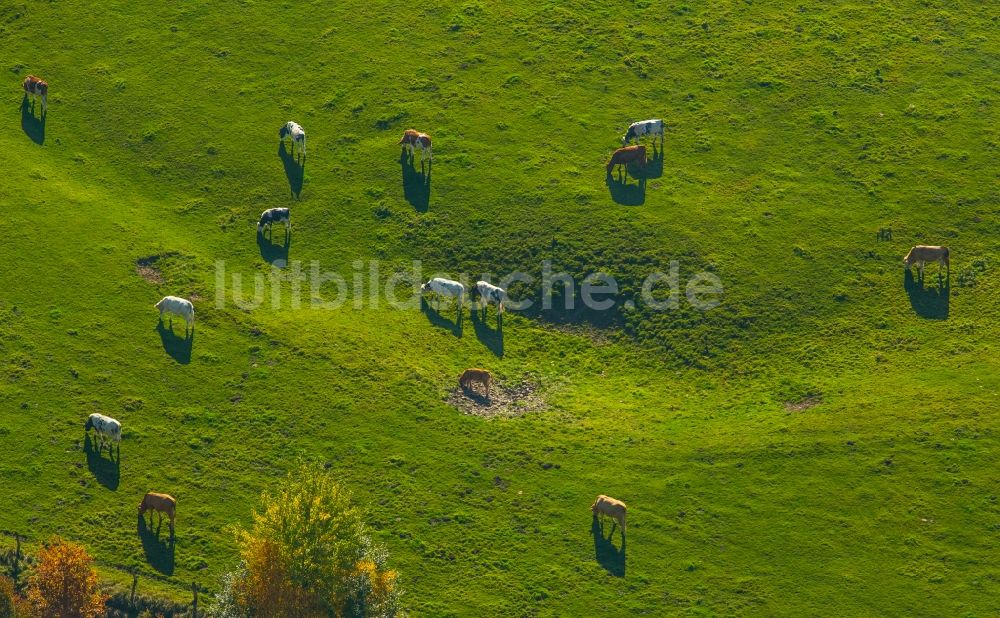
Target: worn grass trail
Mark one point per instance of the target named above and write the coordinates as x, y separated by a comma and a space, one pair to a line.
822, 442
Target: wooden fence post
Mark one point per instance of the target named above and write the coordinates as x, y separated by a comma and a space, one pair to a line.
194, 605
16, 569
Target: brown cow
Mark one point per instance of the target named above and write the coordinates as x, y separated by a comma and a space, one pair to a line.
626, 155
927, 253
36, 87
415, 140
606, 505
161, 503
471, 376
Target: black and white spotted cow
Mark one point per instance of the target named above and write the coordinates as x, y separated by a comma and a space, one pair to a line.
489, 294
274, 215
644, 127
107, 430
294, 132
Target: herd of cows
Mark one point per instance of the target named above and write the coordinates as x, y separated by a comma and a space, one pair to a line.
108, 431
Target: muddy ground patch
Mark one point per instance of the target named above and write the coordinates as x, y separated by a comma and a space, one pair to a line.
802, 405
150, 267
506, 400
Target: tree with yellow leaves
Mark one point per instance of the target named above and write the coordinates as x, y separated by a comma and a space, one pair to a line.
308, 555
268, 588
64, 584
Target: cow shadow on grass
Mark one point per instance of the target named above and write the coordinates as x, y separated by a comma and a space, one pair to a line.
928, 302
416, 184
295, 170
107, 471
434, 315
178, 347
625, 193
159, 552
654, 166
611, 558
33, 127
276, 255
492, 338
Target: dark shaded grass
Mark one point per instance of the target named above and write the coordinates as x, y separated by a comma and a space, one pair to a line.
107, 470
33, 126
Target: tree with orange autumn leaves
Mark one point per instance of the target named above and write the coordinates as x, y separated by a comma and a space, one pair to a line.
64, 583
308, 555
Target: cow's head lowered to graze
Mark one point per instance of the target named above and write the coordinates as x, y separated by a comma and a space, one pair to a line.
409, 136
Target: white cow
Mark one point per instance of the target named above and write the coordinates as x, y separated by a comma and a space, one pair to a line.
177, 306
294, 132
107, 429
445, 287
616, 509
490, 294
928, 253
644, 127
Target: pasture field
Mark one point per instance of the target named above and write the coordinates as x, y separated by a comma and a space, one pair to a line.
825, 441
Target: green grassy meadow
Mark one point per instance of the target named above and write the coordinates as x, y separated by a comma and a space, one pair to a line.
825, 442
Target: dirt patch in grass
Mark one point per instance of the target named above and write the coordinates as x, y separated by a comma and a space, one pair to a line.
805, 404
149, 270
505, 401
150, 274
174, 269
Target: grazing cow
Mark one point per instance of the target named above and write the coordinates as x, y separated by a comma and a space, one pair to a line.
409, 136
644, 127
606, 505
161, 503
294, 132
177, 306
624, 156
472, 376
34, 88
107, 430
415, 140
490, 294
925, 253
445, 287
274, 215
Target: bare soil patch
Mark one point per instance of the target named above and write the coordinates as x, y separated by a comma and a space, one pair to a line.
805, 404
148, 269
505, 401
150, 274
